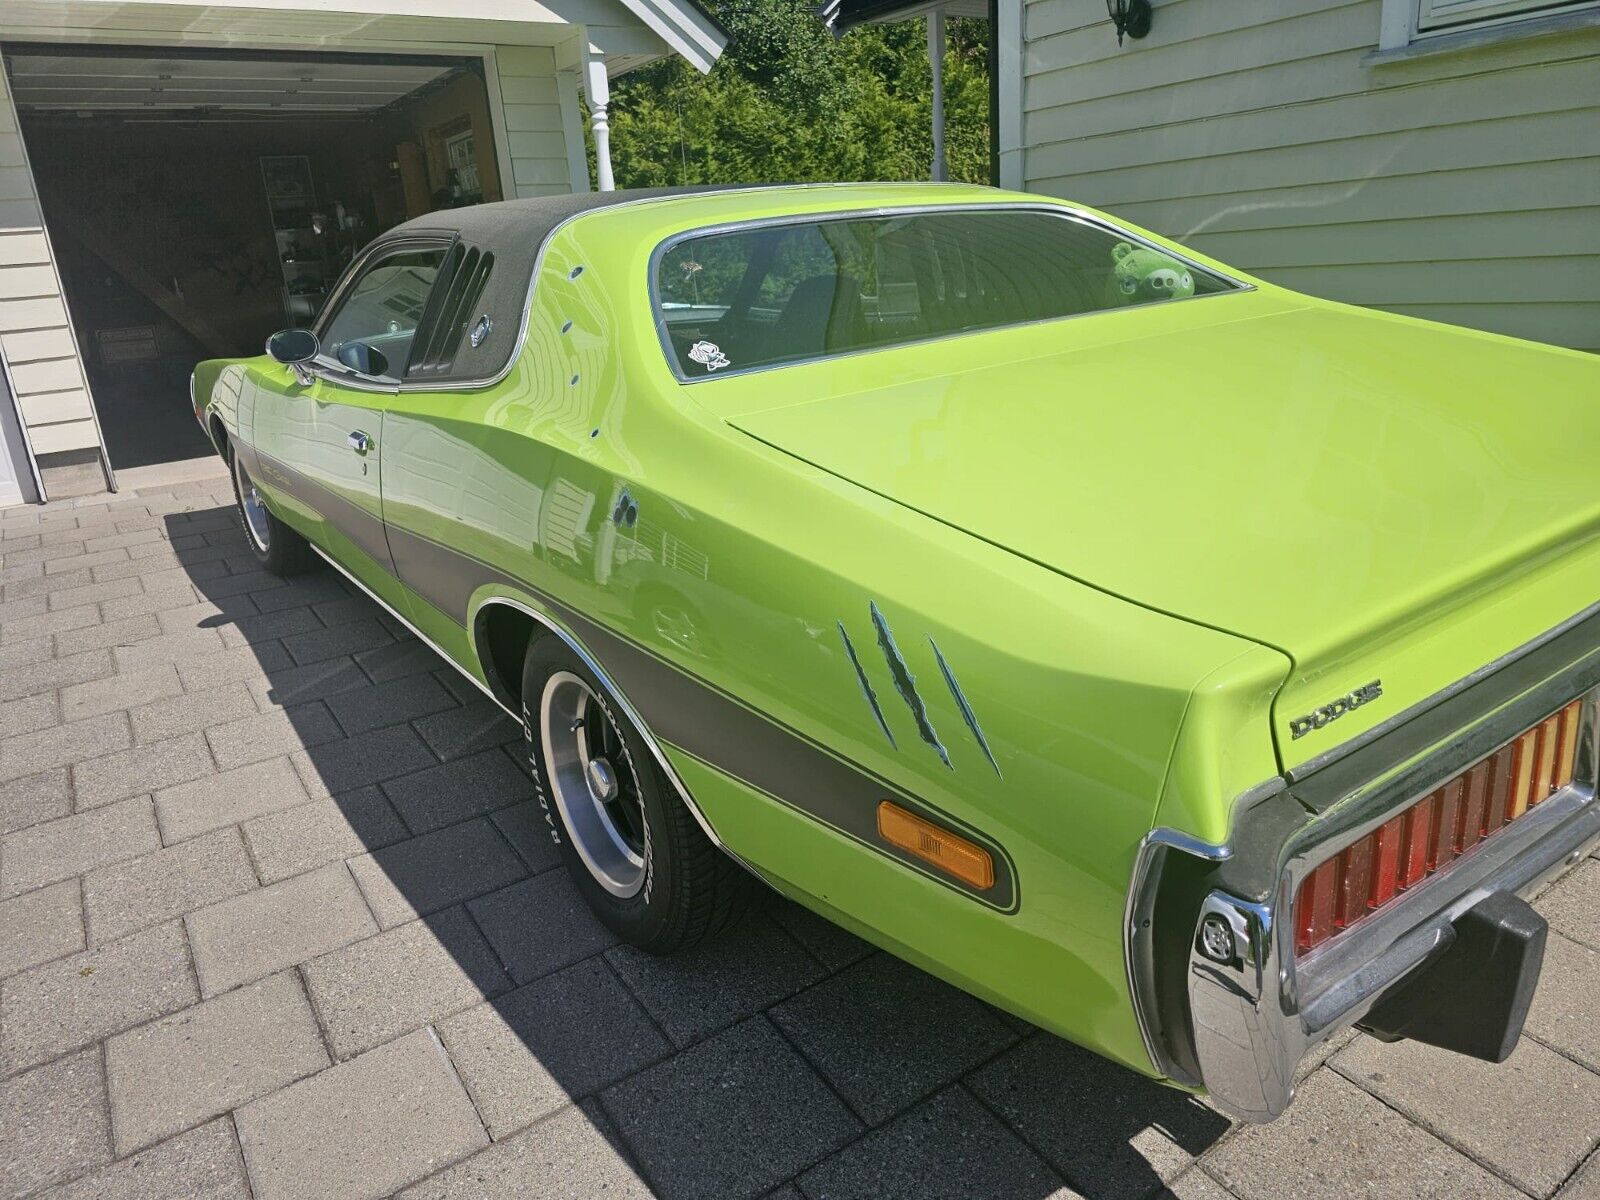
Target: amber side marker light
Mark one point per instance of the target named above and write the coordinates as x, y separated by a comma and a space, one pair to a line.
1432, 833
951, 853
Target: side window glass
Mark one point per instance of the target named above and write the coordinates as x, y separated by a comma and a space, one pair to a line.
372, 330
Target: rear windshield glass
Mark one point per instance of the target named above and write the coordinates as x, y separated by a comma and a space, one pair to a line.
773, 294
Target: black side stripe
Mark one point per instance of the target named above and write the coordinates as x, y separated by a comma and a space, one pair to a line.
700, 719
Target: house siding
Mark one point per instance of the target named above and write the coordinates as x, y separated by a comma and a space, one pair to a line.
535, 137
1460, 187
40, 352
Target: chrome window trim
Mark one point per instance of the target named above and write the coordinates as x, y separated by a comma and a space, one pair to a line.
1064, 211
331, 370
488, 381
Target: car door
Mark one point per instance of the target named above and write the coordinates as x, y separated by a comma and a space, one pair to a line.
461, 480
366, 340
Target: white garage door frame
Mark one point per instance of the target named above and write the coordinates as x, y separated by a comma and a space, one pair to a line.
156, 40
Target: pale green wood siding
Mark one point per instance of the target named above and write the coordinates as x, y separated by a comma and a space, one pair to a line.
532, 107
1460, 187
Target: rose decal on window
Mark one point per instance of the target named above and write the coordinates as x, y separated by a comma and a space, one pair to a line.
709, 355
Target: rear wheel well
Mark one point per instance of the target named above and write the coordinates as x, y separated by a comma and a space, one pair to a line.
219, 437
502, 636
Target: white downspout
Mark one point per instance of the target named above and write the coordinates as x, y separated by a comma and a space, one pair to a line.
597, 89
936, 63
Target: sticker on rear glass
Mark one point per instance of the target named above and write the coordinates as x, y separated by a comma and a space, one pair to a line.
709, 355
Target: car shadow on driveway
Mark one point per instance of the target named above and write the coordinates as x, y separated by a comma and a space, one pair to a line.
411, 879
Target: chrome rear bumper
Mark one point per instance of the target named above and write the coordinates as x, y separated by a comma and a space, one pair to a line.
1255, 1017
1236, 1017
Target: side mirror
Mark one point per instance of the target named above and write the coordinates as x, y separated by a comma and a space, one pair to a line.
293, 346
364, 359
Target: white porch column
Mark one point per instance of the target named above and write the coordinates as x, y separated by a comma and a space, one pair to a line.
936, 62
597, 90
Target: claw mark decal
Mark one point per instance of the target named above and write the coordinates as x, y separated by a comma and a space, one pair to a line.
906, 684
866, 686
970, 717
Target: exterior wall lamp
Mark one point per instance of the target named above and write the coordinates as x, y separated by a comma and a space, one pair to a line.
1131, 17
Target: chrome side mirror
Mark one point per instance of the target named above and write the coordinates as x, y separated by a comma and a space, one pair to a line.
293, 347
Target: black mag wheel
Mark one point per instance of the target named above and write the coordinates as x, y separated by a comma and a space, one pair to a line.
634, 850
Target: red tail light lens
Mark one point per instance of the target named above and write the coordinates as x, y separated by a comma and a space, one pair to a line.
1434, 831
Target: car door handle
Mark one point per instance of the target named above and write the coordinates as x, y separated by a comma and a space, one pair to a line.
359, 442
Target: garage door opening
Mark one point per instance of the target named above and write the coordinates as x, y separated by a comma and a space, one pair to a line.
200, 200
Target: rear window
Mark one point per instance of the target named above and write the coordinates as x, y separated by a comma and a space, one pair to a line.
773, 294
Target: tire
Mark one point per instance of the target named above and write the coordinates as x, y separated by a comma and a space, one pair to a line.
638, 856
279, 549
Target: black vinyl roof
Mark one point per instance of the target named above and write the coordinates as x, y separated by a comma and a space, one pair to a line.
513, 231
523, 225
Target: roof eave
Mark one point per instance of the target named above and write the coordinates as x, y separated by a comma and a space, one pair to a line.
686, 26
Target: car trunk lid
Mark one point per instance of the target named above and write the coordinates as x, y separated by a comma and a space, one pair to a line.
1355, 490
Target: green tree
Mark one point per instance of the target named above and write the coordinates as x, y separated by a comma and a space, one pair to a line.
788, 102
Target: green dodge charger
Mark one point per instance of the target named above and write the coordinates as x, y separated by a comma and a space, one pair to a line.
1189, 666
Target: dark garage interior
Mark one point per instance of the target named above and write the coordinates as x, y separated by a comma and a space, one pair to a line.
198, 202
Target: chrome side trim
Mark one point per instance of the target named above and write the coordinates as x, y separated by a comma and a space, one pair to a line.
623, 702
573, 644
404, 620
1065, 211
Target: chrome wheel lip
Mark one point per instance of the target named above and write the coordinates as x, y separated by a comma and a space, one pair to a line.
565, 706
256, 521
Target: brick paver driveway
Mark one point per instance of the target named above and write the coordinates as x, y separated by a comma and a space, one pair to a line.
275, 920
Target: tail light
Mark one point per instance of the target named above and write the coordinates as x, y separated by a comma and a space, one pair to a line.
1432, 833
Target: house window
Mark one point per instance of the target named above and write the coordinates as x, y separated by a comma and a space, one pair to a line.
461, 157
1408, 20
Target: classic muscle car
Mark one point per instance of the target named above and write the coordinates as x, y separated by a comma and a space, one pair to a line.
1189, 666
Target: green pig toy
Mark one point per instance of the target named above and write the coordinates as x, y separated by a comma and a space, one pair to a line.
1139, 275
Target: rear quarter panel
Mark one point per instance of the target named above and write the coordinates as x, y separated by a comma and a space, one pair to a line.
742, 568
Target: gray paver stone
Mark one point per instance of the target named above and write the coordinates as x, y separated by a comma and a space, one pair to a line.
1449, 1094
100, 991
260, 932
40, 925
570, 1156
363, 1128
745, 1092
129, 895
1307, 1153
42, 854
227, 798
567, 1035
205, 1060
52, 1124
374, 990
